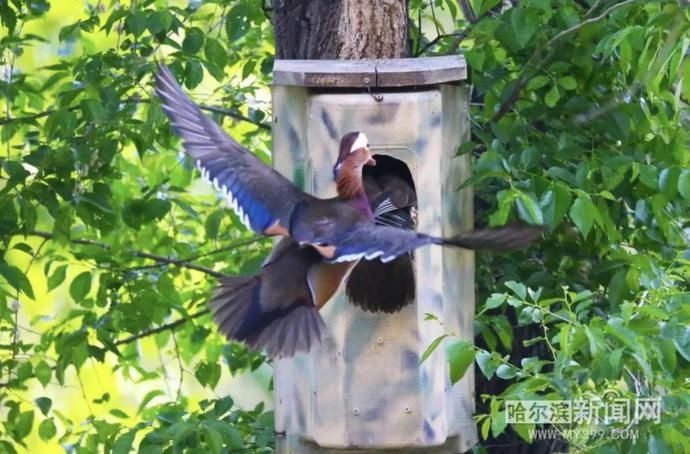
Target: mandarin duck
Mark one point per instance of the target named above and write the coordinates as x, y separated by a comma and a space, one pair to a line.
277, 308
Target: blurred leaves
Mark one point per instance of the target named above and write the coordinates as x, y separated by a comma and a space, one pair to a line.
94, 194
580, 121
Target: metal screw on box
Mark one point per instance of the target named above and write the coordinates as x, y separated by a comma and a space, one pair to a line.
357, 393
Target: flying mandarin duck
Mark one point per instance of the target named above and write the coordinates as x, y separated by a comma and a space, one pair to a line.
373, 219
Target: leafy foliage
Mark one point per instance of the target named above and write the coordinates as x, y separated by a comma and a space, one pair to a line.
580, 120
108, 243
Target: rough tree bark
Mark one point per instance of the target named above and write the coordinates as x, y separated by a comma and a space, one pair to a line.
355, 29
340, 29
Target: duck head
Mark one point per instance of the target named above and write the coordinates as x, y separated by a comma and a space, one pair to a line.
354, 153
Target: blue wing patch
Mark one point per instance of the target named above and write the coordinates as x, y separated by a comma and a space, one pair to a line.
251, 213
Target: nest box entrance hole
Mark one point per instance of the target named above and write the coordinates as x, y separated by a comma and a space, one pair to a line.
387, 287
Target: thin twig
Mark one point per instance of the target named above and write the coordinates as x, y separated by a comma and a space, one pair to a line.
467, 11
83, 393
460, 36
160, 329
179, 363
139, 254
433, 16
214, 109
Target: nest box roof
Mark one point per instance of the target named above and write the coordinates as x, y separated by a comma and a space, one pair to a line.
397, 72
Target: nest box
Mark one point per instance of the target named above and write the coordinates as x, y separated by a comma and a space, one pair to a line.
365, 388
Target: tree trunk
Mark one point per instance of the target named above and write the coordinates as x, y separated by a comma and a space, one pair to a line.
340, 29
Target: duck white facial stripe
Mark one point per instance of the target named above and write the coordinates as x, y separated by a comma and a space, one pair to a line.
360, 142
388, 258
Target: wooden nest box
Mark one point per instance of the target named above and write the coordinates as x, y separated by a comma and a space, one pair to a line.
365, 389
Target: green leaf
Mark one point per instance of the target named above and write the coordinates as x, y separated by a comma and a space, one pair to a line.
505, 204
43, 373
193, 74
136, 22
123, 444
552, 96
232, 437
432, 347
57, 278
525, 431
180, 431
8, 17
506, 372
524, 24
17, 279
504, 330
518, 288
486, 364
237, 22
616, 327
93, 110
23, 424
223, 405
537, 82
682, 342
119, 413
486, 428
583, 213
47, 429
213, 223
460, 357
495, 300
193, 41
684, 181
213, 439
215, 53
80, 286
666, 355
529, 210
159, 21
568, 82
498, 423
208, 374
556, 207
148, 398
44, 404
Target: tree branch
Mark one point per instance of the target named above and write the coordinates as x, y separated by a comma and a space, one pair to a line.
229, 247
214, 109
467, 11
536, 61
235, 115
459, 37
139, 254
160, 329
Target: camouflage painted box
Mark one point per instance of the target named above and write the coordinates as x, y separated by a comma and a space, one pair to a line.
365, 388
